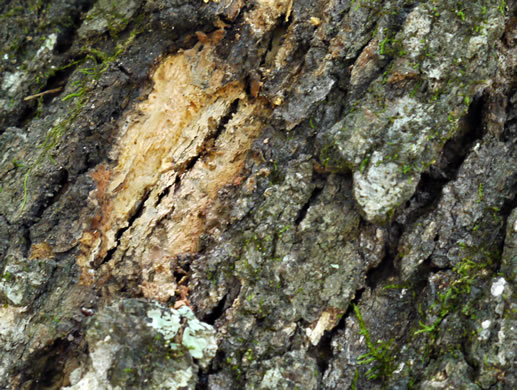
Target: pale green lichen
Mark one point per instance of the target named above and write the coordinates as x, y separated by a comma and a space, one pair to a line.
198, 337
166, 324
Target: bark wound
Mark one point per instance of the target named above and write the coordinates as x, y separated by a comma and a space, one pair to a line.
180, 122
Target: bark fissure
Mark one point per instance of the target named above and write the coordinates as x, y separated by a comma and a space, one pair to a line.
429, 190
302, 212
120, 232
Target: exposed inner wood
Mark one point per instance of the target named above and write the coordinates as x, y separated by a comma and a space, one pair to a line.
177, 126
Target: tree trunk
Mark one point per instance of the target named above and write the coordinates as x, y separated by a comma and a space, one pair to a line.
231, 194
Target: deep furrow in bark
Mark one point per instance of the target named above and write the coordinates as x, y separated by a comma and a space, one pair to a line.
455, 151
136, 214
303, 210
206, 147
423, 201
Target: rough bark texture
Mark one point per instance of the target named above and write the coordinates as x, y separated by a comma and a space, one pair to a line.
266, 194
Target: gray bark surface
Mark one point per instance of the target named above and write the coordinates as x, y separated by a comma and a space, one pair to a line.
230, 194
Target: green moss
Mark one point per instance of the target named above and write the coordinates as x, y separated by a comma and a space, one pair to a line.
480, 193
97, 63
364, 164
455, 298
381, 353
382, 44
502, 7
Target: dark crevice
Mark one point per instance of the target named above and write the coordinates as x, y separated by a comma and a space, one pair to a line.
225, 119
506, 209
216, 367
216, 312
303, 211
394, 24
67, 33
137, 214
469, 359
60, 188
124, 70
189, 164
509, 204
350, 310
27, 239
179, 273
28, 112
428, 268
346, 70
110, 253
49, 194
429, 189
202, 380
382, 272
275, 36
47, 368
322, 352
226, 302
184, 261
219, 362
426, 196
386, 268
165, 192
57, 80
177, 184
458, 148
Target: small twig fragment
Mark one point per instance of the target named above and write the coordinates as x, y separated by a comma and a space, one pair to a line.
55, 90
289, 10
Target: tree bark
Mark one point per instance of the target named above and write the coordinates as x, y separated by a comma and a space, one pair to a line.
230, 194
